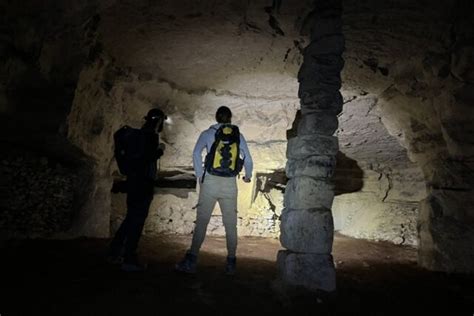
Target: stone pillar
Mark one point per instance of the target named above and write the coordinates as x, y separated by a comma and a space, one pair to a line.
307, 225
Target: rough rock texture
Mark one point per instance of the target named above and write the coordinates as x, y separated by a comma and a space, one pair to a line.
408, 71
258, 82
371, 215
307, 193
170, 212
42, 193
307, 224
424, 91
310, 271
173, 211
378, 187
168, 64
93, 135
446, 243
43, 48
309, 231
37, 196
159, 68
44, 55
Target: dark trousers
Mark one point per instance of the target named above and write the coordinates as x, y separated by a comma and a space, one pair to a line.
139, 197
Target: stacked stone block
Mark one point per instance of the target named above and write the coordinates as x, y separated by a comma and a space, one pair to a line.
306, 224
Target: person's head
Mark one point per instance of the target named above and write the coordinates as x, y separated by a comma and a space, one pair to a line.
155, 119
223, 115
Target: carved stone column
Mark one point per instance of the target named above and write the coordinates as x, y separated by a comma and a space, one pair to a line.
307, 225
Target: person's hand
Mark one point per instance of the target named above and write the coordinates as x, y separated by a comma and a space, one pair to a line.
160, 151
245, 179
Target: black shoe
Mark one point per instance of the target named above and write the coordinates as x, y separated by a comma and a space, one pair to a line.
230, 267
133, 267
114, 260
188, 264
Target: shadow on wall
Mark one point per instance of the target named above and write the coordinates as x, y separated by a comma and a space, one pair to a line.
292, 132
348, 176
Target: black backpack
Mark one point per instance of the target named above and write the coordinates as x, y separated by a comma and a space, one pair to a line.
224, 157
129, 149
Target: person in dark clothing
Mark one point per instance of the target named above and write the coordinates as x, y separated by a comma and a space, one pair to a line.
276, 5
140, 187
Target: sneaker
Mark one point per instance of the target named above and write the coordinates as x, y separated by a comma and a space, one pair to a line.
230, 266
188, 264
115, 255
133, 267
114, 260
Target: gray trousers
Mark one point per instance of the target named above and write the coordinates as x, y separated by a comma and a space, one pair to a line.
222, 190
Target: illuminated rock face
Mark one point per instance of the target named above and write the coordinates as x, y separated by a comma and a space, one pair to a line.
404, 133
156, 68
261, 93
190, 58
189, 70
378, 189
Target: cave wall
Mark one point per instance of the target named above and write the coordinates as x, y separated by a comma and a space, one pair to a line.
43, 46
44, 179
167, 63
405, 131
419, 72
378, 187
213, 54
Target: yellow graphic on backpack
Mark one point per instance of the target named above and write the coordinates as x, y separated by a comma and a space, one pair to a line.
224, 157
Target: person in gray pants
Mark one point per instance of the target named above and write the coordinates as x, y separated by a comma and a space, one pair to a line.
226, 150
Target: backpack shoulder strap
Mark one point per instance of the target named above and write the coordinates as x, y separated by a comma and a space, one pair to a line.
235, 133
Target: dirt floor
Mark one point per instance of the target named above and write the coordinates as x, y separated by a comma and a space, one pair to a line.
72, 278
